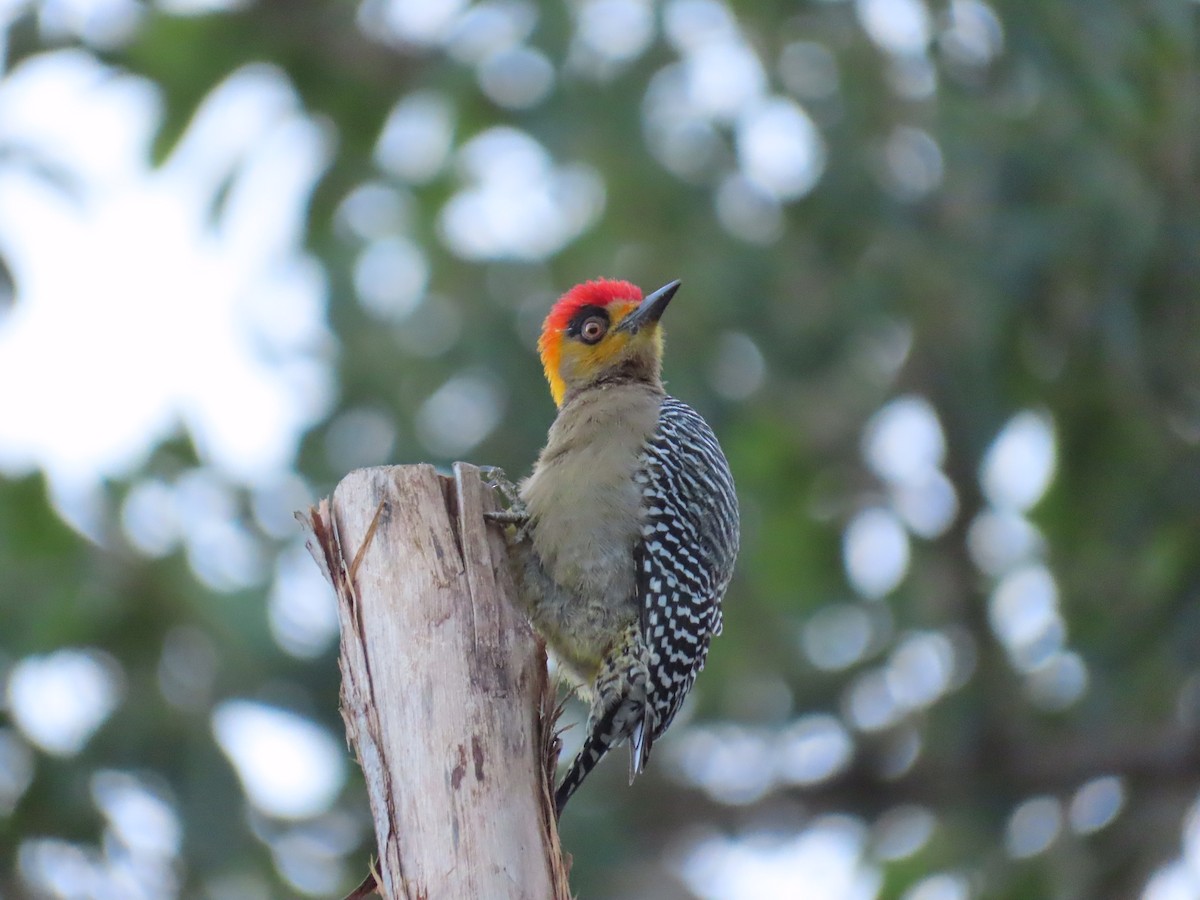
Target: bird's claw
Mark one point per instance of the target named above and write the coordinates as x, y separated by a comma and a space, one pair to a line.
519, 518
494, 478
516, 513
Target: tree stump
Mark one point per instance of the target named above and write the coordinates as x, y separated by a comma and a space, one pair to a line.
445, 694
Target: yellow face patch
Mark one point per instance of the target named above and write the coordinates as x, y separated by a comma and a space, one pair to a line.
569, 360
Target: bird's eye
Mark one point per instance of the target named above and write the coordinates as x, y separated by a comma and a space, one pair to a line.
593, 329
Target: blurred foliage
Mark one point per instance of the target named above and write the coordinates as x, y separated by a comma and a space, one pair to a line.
1008, 227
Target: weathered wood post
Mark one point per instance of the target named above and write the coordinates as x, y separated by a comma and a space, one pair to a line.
444, 687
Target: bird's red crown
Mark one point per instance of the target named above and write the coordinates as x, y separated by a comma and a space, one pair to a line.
600, 292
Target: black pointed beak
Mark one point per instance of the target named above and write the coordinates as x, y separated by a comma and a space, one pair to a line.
650, 310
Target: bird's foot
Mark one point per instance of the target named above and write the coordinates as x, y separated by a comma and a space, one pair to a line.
516, 514
494, 478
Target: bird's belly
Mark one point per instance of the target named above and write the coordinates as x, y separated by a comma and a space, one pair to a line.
587, 591
580, 634
585, 511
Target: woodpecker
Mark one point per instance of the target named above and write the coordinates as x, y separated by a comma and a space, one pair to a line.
628, 523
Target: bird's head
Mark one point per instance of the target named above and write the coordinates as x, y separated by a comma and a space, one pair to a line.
599, 328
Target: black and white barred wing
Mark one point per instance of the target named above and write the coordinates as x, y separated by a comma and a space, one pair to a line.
685, 560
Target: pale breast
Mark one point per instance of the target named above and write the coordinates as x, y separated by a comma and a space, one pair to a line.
582, 495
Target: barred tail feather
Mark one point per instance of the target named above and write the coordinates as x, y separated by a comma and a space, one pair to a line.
598, 743
640, 742
631, 719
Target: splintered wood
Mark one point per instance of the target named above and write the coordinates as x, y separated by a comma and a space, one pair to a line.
444, 687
